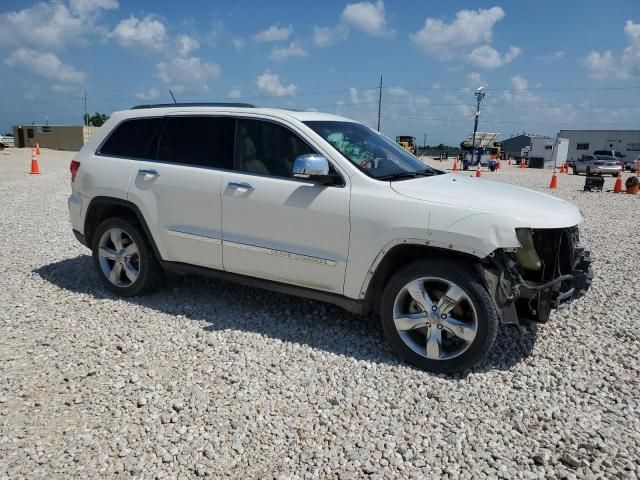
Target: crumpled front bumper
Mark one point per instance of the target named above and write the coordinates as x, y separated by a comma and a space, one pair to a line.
577, 286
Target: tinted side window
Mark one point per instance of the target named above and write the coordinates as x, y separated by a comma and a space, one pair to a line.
199, 141
268, 149
133, 138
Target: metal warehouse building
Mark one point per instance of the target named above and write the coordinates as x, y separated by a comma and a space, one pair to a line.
514, 145
585, 142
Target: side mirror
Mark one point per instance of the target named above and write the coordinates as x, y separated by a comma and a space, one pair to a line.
311, 167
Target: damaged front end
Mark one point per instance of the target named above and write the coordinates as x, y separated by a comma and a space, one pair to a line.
548, 271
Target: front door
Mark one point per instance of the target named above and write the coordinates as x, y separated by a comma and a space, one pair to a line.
278, 227
179, 192
20, 138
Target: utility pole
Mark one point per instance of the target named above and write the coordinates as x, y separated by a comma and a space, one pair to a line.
424, 142
86, 114
479, 94
380, 103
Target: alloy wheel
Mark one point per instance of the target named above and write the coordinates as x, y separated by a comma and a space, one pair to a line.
435, 318
119, 257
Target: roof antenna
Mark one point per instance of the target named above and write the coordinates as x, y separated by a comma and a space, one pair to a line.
174, 98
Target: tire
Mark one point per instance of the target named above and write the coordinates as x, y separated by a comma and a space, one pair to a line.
143, 261
477, 304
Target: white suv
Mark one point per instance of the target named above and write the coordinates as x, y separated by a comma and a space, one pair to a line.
323, 207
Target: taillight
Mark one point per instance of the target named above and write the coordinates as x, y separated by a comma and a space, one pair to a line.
73, 168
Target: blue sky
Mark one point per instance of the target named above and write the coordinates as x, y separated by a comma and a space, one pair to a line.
546, 64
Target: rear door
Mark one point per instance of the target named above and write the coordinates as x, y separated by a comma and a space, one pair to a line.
276, 226
179, 191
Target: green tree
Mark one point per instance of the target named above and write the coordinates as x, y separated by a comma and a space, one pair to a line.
95, 120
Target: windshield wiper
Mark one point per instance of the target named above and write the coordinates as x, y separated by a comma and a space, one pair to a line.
401, 175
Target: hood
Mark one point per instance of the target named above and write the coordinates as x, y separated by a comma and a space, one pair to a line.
527, 208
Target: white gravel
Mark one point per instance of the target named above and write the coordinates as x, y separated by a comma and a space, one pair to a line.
208, 379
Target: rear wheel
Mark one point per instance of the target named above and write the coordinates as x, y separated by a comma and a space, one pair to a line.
438, 315
123, 258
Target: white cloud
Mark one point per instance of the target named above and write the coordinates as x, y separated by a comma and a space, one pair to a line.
270, 84
398, 92
274, 33
622, 67
46, 65
552, 57
398, 103
467, 37
368, 17
150, 94
475, 80
186, 44
526, 106
238, 43
353, 95
519, 82
88, 7
52, 25
489, 58
326, 36
187, 74
147, 33
68, 88
292, 50
235, 92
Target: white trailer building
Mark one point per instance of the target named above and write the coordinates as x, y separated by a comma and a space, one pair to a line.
552, 151
585, 142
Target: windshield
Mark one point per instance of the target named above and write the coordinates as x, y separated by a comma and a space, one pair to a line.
371, 152
604, 157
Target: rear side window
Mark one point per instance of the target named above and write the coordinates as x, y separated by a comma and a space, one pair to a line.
198, 141
134, 138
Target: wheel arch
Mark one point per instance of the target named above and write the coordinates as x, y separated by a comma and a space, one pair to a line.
397, 255
100, 208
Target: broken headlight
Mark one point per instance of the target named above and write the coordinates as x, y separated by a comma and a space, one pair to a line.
527, 256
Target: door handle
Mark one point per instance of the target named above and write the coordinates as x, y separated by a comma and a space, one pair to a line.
240, 186
150, 172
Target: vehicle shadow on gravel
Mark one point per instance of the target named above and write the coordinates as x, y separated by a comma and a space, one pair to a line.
223, 305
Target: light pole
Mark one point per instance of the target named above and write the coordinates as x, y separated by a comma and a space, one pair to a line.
479, 94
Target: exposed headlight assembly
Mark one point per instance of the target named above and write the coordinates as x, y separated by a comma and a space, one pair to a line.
526, 256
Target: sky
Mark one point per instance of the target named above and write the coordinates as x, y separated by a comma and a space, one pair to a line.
546, 65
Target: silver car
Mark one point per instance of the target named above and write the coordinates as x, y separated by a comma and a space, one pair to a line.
597, 165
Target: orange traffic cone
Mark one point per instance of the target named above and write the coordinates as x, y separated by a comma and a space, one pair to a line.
554, 180
498, 165
617, 188
522, 163
509, 160
35, 168
37, 150
478, 174
455, 165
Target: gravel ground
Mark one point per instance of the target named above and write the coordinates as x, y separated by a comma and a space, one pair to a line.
208, 379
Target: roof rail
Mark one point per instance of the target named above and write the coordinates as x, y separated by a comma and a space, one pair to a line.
201, 104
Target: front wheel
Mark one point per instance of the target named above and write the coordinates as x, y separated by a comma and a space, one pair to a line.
123, 258
438, 315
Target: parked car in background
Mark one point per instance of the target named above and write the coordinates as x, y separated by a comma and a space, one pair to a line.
597, 165
626, 162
